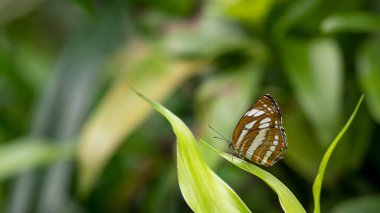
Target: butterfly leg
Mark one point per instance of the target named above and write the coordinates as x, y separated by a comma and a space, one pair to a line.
230, 150
242, 157
231, 147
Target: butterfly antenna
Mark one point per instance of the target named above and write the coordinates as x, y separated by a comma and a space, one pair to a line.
223, 138
231, 148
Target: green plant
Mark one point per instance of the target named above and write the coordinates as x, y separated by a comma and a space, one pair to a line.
204, 191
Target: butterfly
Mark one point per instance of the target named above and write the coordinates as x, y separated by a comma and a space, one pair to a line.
259, 135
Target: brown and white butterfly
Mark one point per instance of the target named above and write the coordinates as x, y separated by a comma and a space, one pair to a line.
259, 135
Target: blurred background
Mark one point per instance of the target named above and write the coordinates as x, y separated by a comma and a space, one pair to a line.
75, 138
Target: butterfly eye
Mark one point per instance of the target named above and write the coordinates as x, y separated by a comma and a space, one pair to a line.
259, 135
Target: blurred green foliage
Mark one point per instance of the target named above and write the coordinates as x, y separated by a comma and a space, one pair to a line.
65, 67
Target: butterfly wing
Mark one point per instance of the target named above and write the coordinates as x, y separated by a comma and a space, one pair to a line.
259, 135
265, 150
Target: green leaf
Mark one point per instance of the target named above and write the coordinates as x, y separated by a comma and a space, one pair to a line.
27, 154
251, 12
351, 22
202, 189
288, 201
295, 12
365, 204
357, 141
368, 65
212, 37
314, 69
319, 179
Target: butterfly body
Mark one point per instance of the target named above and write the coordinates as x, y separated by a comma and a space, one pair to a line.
259, 135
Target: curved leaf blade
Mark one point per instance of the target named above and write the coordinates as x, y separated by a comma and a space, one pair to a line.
351, 22
202, 189
29, 153
368, 66
288, 201
319, 179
